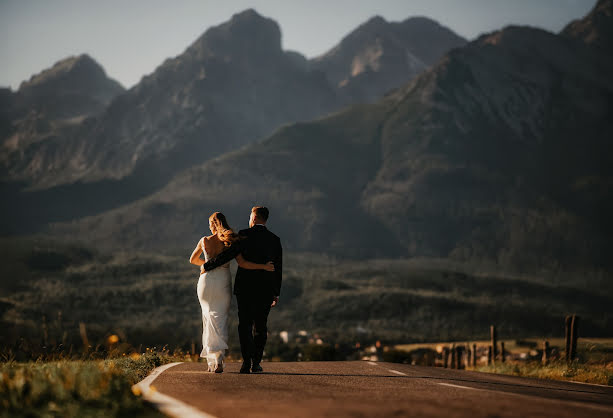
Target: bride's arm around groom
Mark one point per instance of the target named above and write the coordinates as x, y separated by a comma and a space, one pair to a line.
255, 245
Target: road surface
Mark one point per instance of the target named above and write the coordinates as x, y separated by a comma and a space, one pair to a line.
368, 389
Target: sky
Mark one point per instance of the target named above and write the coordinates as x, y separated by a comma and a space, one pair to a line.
130, 38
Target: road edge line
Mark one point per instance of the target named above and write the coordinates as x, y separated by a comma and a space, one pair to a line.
586, 383
167, 404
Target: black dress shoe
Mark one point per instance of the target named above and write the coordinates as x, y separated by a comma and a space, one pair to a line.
256, 368
245, 368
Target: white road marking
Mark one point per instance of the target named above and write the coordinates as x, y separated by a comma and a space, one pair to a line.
589, 384
529, 396
458, 386
167, 404
397, 372
372, 363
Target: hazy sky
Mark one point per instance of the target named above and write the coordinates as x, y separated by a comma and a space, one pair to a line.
130, 38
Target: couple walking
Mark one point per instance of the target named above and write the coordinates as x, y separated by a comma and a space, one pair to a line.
257, 287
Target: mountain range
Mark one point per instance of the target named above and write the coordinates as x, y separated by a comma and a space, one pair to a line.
48, 105
232, 86
499, 154
476, 193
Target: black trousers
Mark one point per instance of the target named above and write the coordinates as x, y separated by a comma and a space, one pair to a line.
252, 330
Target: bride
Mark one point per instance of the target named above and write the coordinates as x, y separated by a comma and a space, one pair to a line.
214, 289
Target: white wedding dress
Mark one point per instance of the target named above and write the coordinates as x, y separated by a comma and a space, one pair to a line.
215, 293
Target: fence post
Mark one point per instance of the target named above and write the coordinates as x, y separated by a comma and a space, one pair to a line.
502, 351
445, 357
489, 355
458, 357
573, 337
83, 332
567, 322
453, 360
494, 342
545, 358
474, 355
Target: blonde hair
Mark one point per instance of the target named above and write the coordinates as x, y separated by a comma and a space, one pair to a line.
222, 229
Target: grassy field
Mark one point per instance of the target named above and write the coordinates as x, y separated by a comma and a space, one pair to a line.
60, 304
77, 388
48, 289
601, 374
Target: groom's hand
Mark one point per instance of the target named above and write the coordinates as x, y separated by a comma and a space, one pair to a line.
275, 301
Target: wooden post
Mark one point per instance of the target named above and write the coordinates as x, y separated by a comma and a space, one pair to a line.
489, 355
567, 326
574, 326
452, 357
83, 332
458, 357
545, 358
502, 351
469, 354
474, 355
445, 357
494, 342
45, 332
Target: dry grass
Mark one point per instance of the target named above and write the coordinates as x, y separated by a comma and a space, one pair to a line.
594, 362
593, 346
77, 388
601, 374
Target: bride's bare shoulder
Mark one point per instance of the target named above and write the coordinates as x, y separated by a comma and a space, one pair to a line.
209, 240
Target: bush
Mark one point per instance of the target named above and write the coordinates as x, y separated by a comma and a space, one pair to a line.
319, 352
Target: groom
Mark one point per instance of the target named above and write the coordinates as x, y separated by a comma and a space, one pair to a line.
256, 290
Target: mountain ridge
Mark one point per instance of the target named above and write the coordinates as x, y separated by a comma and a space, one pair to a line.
74, 72
458, 163
596, 28
231, 86
53, 103
378, 56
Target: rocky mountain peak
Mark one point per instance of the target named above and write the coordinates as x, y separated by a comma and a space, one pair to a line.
513, 36
380, 55
246, 34
374, 22
79, 74
596, 28
80, 67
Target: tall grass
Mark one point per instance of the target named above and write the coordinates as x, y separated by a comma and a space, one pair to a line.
77, 388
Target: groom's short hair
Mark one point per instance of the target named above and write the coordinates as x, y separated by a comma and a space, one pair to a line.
261, 212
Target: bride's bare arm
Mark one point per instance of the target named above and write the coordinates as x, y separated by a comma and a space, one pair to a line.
253, 266
195, 257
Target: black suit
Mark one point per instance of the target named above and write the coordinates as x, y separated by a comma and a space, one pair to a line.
254, 289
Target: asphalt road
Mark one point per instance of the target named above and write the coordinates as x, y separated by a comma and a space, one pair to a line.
367, 389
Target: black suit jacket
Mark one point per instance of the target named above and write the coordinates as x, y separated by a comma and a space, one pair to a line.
257, 245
